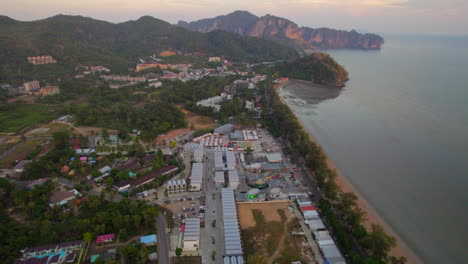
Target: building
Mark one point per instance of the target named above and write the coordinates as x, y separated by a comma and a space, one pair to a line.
274, 157
20, 166
149, 240
31, 86
219, 177
62, 197
214, 59
55, 253
150, 177
233, 178
125, 78
145, 66
49, 90
41, 59
196, 177
232, 239
224, 129
96, 69
155, 84
122, 185
105, 238
176, 186
230, 160
218, 161
192, 234
198, 155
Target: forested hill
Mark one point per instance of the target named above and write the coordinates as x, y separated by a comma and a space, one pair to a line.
77, 39
318, 67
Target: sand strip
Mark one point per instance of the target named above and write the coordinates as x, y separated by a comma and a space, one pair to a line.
373, 217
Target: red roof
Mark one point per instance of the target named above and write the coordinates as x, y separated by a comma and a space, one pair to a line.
103, 238
308, 208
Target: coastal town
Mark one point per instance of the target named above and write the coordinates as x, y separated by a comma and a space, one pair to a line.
209, 186
182, 157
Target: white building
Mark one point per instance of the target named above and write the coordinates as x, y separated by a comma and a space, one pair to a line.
192, 234
176, 186
233, 178
219, 177
196, 177
232, 239
230, 160
219, 163
198, 155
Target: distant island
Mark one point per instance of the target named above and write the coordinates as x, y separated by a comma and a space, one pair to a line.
285, 31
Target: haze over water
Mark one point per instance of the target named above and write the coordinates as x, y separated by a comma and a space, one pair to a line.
399, 133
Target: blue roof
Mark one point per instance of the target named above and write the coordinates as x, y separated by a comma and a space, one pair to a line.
148, 239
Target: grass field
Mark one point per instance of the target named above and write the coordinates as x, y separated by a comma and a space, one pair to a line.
20, 153
14, 117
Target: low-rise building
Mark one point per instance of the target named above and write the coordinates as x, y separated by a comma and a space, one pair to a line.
196, 177
105, 238
192, 234
214, 59
176, 186
49, 90
46, 59
198, 155
62, 197
149, 240
224, 129
31, 86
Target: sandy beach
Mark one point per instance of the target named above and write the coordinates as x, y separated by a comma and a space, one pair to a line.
372, 216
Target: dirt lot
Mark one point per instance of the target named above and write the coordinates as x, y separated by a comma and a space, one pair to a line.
198, 121
171, 134
266, 233
186, 260
268, 209
46, 130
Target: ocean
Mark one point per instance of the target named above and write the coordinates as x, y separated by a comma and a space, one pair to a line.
398, 132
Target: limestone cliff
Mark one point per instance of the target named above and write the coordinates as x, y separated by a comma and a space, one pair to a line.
286, 31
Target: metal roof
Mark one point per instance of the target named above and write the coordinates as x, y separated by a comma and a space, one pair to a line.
197, 173
232, 238
192, 229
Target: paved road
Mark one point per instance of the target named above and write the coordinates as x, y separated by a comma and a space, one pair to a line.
163, 242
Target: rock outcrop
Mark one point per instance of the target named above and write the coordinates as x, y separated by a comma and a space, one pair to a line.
286, 32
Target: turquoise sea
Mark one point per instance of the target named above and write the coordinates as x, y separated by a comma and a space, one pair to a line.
399, 132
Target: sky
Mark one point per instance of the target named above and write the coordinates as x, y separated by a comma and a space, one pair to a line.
428, 17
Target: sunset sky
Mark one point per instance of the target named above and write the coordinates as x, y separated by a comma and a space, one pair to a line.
448, 17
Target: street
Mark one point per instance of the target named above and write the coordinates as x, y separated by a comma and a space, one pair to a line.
163, 243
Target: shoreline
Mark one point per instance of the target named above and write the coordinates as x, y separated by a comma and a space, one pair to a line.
372, 216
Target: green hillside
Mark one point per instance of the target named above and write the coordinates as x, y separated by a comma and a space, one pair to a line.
318, 67
76, 40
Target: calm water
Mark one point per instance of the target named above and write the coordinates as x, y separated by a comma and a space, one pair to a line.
399, 133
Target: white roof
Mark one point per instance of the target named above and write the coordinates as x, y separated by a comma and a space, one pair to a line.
192, 229
197, 173
274, 157
232, 239
230, 158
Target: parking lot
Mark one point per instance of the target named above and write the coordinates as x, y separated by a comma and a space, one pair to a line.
192, 206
